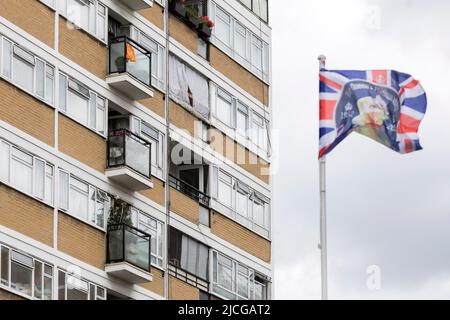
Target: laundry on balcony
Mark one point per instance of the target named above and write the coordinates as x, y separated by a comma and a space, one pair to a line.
130, 54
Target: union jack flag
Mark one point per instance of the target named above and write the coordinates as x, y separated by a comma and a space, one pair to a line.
385, 105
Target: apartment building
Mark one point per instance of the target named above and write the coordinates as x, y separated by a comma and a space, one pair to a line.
135, 150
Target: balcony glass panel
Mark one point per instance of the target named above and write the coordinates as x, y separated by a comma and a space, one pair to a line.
127, 56
128, 244
128, 149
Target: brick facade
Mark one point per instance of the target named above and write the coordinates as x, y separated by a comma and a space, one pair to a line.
157, 193
155, 15
32, 16
240, 155
155, 104
83, 49
26, 215
240, 236
26, 113
239, 75
184, 206
157, 285
81, 143
179, 290
82, 241
6, 295
183, 34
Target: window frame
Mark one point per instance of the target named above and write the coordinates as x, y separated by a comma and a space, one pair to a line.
89, 285
235, 272
19, 52
34, 159
262, 72
252, 196
92, 204
136, 127
229, 99
69, 85
32, 268
159, 231
93, 11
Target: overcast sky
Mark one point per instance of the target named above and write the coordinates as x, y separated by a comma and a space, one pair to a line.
384, 209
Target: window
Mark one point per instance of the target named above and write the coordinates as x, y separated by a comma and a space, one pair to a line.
241, 43
224, 108
223, 27
72, 287
188, 87
225, 189
26, 172
154, 228
26, 275
81, 104
257, 53
154, 137
246, 122
234, 281
242, 119
247, 206
22, 171
240, 40
43, 278
259, 133
259, 7
27, 71
188, 254
4, 266
89, 15
202, 48
23, 66
83, 200
7, 58
158, 73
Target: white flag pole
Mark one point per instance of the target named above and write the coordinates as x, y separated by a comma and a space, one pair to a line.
323, 214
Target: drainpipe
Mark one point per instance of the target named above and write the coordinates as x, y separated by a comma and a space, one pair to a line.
167, 186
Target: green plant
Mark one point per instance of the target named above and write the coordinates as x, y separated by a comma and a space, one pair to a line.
120, 212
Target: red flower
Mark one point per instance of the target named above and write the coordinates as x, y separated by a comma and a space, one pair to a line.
207, 20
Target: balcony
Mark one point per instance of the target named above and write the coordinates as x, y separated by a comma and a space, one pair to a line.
129, 69
129, 160
194, 13
190, 191
137, 4
128, 254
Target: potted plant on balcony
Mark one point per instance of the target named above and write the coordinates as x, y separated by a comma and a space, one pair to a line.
192, 16
205, 26
120, 212
178, 7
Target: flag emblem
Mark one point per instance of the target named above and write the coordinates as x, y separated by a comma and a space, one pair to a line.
385, 105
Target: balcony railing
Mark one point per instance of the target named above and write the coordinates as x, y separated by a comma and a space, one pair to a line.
190, 191
128, 244
127, 56
195, 14
125, 149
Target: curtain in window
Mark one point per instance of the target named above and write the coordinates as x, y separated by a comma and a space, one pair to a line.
178, 80
203, 262
200, 92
